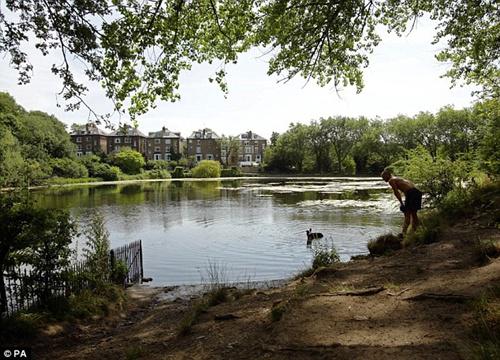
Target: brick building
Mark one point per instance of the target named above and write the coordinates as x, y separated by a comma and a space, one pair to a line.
164, 145
127, 136
204, 145
89, 139
252, 148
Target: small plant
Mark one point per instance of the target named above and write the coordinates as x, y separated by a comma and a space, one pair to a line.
278, 311
192, 317
134, 352
119, 272
324, 256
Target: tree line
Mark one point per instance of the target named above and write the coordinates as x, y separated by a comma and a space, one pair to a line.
348, 146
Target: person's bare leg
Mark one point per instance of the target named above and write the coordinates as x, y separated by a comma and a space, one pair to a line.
414, 220
406, 223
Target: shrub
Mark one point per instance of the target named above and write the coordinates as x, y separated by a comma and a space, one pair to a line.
324, 256
206, 169
158, 174
119, 272
68, 168
232, 172
107, 172
129, 161
486, 249
156, 165
384, 244
178, 172
97, 250
427, 233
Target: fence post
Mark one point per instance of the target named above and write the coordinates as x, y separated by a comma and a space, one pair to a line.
140, 257
112, 261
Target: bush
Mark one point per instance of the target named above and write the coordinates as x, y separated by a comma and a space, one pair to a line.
107, 172
156, 165
178, 172
158, 174
129, 161
427, 233
384, 244
68, 168
119, 272
232, 172
324, 256
207, 169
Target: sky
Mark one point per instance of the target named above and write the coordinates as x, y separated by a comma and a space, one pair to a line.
403, 78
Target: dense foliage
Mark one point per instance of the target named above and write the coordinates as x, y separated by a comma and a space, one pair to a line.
207, 169
34, 146
128, 160
138, 49
440, 149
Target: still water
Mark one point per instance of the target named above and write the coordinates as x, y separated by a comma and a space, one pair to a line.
251, 229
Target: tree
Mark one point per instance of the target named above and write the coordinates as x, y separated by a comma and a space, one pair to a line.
230, 145
343, 134
129, 161
138, 49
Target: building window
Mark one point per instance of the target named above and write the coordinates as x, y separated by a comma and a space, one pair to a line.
167, 149
157, 148
117, 148
78, 139
89, 146
79, 147
210, 157
157, 156
257, 158
168, 157
247, 142
248, 149
127, 140
88, 139
118, 140
79, 153
263, 146
95, 142
157, 141
198, 149
135, 143
198, 157
167, 141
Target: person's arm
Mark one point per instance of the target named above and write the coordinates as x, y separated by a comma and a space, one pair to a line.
396, 191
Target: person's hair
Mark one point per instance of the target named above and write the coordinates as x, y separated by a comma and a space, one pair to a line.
386, 172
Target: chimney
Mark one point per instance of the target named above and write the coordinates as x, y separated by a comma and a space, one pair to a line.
163, 129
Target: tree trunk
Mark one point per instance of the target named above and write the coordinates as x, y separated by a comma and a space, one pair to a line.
3, 292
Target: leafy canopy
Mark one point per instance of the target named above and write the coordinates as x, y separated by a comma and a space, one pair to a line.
137, 49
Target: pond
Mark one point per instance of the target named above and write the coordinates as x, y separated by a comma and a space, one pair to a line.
248, 229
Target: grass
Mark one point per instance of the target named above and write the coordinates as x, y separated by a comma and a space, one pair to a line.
84, 305
384, 244
485, 333
486, 249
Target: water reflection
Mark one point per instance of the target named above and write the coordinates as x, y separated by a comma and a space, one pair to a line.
255, 227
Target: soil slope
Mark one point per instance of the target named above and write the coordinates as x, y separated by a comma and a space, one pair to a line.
413, 304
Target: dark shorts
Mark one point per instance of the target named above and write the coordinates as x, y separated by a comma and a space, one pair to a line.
413, 200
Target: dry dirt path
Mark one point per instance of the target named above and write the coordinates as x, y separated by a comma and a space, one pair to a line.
411, 305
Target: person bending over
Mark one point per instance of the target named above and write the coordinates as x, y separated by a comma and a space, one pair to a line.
413, 198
